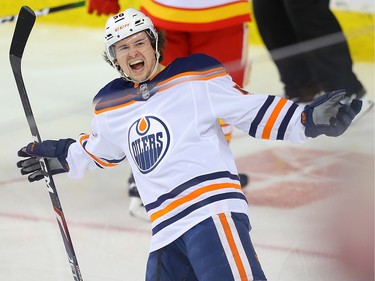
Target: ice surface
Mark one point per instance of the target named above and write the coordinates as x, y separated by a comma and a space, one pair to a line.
296, 192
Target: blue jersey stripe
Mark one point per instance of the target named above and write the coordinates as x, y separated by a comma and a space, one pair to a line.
260, 115
284, 124
200, 204
197, 180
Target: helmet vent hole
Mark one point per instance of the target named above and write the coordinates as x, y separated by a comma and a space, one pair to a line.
138, 22
119, 19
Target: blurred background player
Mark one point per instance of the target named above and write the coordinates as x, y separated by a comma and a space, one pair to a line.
218, 28
325, 66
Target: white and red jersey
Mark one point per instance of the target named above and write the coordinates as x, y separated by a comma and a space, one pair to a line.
168, 130
196, 15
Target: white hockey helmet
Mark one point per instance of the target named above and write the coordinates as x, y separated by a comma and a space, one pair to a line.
125, 24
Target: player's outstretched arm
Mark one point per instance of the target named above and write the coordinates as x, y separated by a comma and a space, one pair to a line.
329, 114
55, 152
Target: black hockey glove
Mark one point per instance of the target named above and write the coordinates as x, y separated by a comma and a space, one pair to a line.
329, 115
55, 152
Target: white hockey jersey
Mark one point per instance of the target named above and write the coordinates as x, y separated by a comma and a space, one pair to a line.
168, 130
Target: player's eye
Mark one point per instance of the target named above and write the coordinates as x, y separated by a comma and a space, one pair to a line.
124, 47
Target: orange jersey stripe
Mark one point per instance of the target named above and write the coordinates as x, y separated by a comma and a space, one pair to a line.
191, 73
195, 76
233, 247
102, 163
114, 107
205, 78
193, 195
118, 99
271, 121
192, 76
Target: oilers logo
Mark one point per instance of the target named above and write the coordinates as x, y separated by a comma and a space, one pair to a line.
149, 140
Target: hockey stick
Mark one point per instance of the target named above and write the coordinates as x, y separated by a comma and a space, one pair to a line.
45, 11
24, 25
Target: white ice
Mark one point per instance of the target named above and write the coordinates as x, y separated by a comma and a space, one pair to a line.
63, 69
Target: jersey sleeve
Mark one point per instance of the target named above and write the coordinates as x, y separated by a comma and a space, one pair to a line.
93, 151
261, 116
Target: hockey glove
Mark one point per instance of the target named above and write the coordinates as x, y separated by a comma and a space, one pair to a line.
54, 152
328, 114
105, 7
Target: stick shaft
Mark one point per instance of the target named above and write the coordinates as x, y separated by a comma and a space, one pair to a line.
21, 34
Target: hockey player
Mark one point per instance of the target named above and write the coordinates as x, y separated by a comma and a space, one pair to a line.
192, 27
164, 120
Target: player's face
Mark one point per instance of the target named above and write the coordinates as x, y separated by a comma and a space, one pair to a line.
136, 56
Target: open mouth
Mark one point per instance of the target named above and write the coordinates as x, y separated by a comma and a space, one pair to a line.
137, 65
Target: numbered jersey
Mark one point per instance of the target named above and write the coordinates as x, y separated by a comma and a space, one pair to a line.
168, 130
